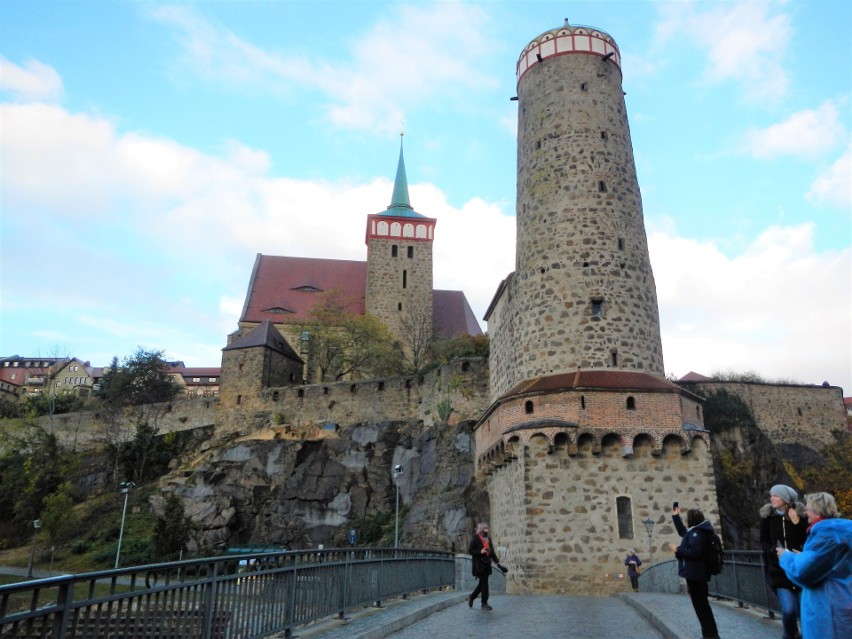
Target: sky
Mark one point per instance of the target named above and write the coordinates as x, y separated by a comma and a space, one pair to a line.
149, 150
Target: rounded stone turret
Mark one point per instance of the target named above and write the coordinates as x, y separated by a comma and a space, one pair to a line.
582, 295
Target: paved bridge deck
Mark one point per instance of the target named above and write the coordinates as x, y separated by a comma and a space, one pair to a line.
445, 615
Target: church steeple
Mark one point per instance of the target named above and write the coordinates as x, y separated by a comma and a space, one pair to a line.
399, 199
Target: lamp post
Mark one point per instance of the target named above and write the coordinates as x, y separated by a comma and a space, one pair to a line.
649, 528
125, 487
397, 471
36, 526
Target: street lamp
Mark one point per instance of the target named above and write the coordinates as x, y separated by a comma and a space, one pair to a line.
397, 471
649, 528
125, 487
36, 526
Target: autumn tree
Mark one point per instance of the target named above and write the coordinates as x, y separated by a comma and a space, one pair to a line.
345, 345
416, 336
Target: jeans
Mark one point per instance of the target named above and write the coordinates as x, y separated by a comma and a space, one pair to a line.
789, 600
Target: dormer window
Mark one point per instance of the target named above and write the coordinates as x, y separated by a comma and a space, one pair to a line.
307, 288
277, 309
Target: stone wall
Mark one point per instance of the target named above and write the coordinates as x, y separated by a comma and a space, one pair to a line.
788, 414
555, 513
307, 410
398, 286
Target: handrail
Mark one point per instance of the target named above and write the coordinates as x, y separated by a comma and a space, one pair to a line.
742, 580
230, 597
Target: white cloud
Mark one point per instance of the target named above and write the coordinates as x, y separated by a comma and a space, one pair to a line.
386, 74
834, 185
34, 81
779, 307
744, 42
808, 133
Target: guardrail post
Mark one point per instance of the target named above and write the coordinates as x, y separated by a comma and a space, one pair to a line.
209, 600
60, 620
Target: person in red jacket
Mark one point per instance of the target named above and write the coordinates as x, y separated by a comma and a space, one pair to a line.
482, 555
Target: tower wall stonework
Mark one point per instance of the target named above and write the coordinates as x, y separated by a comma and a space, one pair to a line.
583, 292
553, 514
397, 285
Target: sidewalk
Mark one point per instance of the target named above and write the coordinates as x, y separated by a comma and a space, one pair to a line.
670, 615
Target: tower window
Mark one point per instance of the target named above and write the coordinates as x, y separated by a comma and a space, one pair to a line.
394, 250
584, 86
381, 386
631, 403
601, 186
405, 279
239, 399
300, 392
583, 402
604, 135
410, 252
621, 244
399, 306
614, 358
624, 509
275, 396
528, 407
597, 308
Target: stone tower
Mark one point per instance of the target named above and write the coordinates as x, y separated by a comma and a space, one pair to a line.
585, 440
583, 285
399, 262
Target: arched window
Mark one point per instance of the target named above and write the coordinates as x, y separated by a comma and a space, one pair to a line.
528, 407
631, 403
624, 509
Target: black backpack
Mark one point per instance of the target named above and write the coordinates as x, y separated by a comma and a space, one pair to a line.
715, 557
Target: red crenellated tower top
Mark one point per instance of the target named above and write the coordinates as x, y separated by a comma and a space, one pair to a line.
567, 40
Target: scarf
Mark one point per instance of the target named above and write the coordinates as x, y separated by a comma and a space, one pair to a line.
813, 521
486, 543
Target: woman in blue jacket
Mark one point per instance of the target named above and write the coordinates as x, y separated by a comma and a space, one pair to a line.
824, 570
692, 565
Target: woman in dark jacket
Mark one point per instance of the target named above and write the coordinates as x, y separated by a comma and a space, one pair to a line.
692, 565
783, 525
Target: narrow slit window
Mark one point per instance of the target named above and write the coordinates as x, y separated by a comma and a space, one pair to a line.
614, 358
604, 135
624, 509
410, 252
601, 186
583, 402
394, 250
621, 244
405, 279
399, 306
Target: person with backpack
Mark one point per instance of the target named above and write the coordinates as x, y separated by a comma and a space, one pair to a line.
692, 564
783, 524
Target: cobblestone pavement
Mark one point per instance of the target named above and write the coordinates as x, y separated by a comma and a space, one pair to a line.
445, 615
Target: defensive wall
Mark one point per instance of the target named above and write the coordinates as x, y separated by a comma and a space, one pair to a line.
787, 413
585, 508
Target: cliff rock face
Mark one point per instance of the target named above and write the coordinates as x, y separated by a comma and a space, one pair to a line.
301, 493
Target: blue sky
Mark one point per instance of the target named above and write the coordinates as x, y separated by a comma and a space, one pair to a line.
149, 150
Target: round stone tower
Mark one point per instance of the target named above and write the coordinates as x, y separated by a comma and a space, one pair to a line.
582, 295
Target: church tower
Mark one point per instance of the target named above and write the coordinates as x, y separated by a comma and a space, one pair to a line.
399, 263
585, 441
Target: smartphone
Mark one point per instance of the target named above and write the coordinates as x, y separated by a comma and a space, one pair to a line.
674, 505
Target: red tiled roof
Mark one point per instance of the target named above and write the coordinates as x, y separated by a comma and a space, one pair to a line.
452, 315
275, 283
602, 380
692, 376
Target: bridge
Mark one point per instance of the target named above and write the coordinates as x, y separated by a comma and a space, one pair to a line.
366, 594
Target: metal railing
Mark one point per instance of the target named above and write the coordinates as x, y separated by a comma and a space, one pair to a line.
232, 597
742, 580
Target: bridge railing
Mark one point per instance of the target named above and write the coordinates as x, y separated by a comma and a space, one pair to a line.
742, 580
232, 597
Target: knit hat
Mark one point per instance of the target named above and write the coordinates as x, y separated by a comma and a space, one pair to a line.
784, 492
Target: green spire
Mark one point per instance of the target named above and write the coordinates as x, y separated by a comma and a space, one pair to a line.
399, 199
